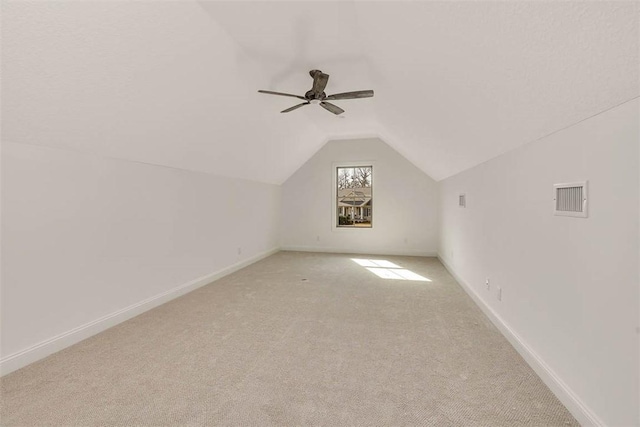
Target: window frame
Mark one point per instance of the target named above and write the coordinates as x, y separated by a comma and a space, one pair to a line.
334, 204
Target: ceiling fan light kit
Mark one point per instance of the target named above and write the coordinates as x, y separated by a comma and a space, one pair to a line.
317, 95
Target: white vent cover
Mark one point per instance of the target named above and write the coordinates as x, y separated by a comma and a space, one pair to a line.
570, 199
462, 200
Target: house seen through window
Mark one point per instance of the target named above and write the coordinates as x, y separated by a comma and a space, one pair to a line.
354, 196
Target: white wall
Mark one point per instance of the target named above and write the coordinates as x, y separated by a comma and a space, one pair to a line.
85, 236
570, 285
404, 205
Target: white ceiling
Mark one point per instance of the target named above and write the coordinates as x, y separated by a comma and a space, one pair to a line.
174, 83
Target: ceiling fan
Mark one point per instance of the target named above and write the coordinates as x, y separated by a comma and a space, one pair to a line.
317, 96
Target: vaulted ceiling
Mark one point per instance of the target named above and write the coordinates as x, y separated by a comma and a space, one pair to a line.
175, 83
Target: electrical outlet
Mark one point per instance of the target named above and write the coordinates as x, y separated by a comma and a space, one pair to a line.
406, 240
499, 293
487, 283
239, 251
318, 238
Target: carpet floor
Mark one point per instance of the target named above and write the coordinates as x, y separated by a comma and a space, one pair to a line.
295, 339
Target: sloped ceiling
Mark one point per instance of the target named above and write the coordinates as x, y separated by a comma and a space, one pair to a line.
174, 83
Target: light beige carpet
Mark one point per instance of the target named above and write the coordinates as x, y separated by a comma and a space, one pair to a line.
296, 339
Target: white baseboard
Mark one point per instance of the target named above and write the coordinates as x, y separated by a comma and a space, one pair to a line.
356, 251
569, 399
45, 348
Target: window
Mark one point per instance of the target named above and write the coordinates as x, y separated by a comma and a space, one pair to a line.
354, 196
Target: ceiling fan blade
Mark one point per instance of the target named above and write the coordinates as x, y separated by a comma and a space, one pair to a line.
351, 95
281, 94
320, 81
330, 107
295, 107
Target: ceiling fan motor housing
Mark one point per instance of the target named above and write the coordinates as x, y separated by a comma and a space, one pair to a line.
312, 95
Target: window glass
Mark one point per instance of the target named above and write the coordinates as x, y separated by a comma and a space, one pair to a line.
354, 196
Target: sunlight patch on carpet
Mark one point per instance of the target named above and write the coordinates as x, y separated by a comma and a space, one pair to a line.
388, 270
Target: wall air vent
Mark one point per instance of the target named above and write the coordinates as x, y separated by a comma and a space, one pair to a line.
570, 199
462, 200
